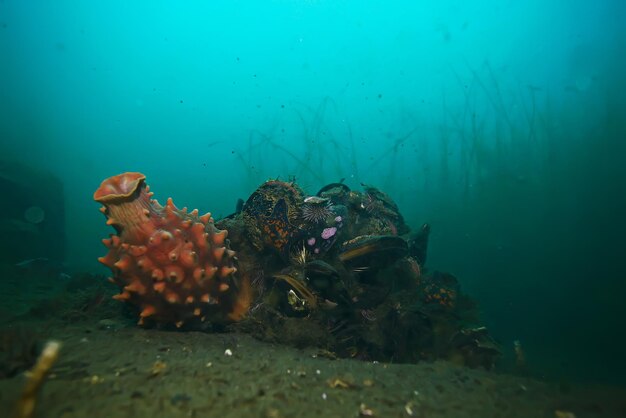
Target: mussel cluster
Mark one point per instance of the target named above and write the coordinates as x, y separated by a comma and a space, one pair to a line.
342, 270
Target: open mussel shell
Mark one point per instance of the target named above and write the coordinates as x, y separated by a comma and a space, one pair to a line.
373, 250
291, 295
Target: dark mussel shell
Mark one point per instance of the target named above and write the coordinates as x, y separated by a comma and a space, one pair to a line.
380, 205
321, 269
338, 193
326, 280
340, 186
476, 347
379, 250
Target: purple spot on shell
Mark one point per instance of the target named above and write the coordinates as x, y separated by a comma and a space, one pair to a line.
316, 251
311, 241
338, 219
329, 232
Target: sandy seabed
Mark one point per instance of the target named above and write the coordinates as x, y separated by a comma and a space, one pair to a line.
106, 370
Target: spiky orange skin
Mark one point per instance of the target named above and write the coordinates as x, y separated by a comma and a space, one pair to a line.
175, 266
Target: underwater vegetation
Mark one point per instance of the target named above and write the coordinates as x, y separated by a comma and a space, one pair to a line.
326, 154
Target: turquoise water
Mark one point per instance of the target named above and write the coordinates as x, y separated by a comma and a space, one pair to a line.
501, 124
